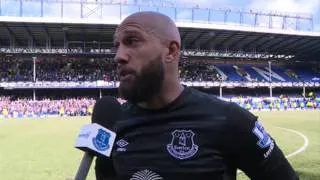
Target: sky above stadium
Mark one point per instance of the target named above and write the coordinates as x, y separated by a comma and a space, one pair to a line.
293, 6
72, 10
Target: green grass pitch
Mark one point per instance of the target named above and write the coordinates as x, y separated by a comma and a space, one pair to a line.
43, 149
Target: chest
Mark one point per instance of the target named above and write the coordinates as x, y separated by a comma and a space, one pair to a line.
170, 143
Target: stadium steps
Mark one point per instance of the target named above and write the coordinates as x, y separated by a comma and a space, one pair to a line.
281, 72
305, 74
252, 72
263, 67
230, 72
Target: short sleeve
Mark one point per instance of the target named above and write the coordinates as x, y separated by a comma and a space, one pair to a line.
253, 149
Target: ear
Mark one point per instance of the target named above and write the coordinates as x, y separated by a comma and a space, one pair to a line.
173, 52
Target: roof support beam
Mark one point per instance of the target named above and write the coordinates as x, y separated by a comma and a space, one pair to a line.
12, 36
308, 43
266, 44
48, 36
83, 30
314, 46
298, 43
31, 37
215, 44
250, 45
285, 44
279, 43
276, 43
192, 43
292, 48
236, 44
183, 39
65, 37
210, 41
2, 44
225, 41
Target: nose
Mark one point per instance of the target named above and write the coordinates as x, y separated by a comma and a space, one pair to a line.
121, 55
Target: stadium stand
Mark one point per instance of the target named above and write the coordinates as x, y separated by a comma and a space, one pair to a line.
61, 68
89, 69
20, 69
44, 108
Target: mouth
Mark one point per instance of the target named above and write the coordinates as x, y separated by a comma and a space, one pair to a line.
125, 75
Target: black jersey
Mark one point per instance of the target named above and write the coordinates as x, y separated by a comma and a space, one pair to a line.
196, 137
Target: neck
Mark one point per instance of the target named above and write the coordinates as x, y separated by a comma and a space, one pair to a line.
168, 94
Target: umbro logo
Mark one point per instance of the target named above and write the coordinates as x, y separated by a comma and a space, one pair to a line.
122, 145
146, 175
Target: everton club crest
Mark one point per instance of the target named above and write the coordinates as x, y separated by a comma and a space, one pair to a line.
182, 145
101, 141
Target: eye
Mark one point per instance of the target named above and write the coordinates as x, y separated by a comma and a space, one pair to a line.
132, 40
116, 45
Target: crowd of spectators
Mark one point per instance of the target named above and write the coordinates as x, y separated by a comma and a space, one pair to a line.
16, 69
59, 68
75, 70
279, 103
24, 107
69, 69
86, 69
198, 71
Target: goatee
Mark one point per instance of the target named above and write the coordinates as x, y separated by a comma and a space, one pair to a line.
146, 84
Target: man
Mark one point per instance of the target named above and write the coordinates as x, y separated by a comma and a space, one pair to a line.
174, 132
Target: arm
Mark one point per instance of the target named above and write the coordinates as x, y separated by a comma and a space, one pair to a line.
255, 152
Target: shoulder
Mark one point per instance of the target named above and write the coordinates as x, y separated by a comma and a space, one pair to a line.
210, 100
126, 106
230, 109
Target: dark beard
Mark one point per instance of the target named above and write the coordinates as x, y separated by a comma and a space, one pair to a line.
146, 84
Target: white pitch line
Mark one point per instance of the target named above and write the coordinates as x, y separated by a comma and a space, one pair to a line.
301, 149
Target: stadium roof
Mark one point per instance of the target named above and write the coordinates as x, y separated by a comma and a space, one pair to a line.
304, 46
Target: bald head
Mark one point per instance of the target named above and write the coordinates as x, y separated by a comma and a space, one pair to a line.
157, 24
147, 55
